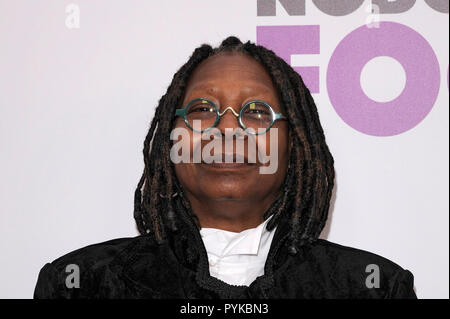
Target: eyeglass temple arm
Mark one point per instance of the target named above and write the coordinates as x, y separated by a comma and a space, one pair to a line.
279, 116
180, 112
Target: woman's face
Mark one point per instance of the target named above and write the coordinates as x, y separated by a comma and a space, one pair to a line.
232, 79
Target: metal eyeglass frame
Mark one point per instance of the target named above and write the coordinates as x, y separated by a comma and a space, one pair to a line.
275, 116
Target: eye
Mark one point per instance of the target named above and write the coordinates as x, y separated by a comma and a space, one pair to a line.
258, 111
201, 106
201, 109
256, 108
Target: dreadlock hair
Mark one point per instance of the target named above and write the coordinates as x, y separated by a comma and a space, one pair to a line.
309, 178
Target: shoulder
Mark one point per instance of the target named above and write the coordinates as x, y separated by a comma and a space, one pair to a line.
98, 255
350, 256
91, 264
367, 273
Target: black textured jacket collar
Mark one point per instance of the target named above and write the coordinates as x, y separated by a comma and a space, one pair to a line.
185, 247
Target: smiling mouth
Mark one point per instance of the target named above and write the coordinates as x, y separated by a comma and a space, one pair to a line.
229, 165
231, 161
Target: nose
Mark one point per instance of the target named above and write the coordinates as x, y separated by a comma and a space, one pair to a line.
228, 119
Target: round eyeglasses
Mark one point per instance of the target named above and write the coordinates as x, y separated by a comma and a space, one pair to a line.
256, 117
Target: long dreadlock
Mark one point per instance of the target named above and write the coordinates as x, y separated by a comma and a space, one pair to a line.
309, 179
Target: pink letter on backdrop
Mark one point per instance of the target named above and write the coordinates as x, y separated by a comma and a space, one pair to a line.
297, 39
421, 66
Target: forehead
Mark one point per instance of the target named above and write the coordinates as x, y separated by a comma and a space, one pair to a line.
231, 68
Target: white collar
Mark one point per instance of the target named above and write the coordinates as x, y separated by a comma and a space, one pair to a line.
222, 243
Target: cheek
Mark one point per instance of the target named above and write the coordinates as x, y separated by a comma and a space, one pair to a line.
187, 139
185, 174
274, 144
184, 171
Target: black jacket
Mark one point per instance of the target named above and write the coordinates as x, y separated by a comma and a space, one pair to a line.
178, 268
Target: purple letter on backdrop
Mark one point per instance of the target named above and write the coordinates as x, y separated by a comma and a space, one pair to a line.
422, 79
298, 39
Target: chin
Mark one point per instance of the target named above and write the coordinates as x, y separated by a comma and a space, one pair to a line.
228, 192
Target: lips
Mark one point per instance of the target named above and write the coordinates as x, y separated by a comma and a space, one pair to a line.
229, 161
229, 165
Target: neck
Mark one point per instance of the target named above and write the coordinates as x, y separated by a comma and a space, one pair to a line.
230, 214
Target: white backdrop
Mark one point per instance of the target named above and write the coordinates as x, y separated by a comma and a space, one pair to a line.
76, 103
